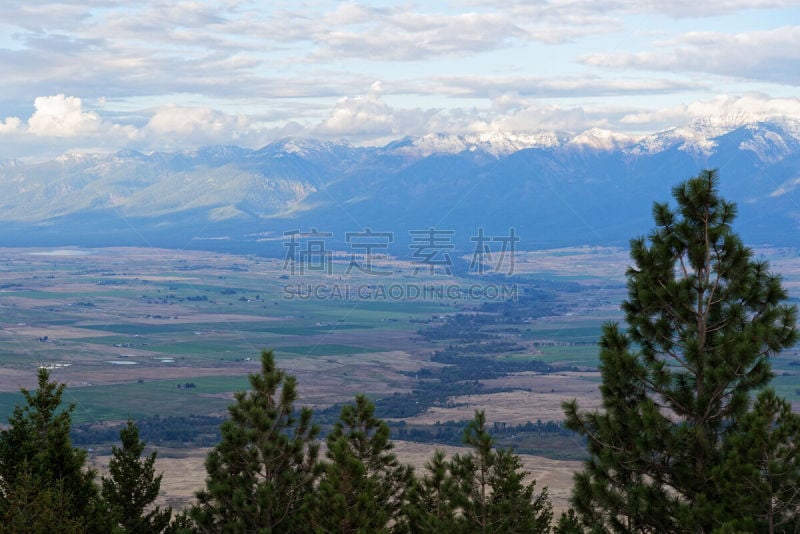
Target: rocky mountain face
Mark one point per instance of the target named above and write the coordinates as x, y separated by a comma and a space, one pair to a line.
553, 188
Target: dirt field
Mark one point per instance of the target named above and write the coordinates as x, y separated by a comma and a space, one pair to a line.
539, 397
184, 472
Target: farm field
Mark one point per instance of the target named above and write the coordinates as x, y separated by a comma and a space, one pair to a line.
184, 472
124, 327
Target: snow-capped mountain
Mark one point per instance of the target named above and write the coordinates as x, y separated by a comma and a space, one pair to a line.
599, 139
700, 137
497, 144
554, 187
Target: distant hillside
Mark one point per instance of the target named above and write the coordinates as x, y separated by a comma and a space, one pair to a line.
554, 188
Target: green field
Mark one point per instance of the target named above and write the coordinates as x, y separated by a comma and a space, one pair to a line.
198, 317
328, 350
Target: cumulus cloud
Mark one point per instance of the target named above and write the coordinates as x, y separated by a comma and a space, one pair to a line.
62, 116
10, 125
536, 116
58, 117
371, 120
369, 117
60, 123
770, 55
741, 108
196, 125
174, 127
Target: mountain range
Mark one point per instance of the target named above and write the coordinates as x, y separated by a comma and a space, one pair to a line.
554, 188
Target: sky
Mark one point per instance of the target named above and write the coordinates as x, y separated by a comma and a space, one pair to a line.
107, 75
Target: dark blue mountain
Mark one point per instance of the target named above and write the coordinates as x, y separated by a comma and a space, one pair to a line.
553, 189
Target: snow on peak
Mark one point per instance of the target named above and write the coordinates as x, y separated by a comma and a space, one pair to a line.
716, 125
687, 139
77, 157
770, 145
304, 147
600, 139
300, 147
495, 143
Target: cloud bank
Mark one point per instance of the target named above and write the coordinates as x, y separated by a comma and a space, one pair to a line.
163, 75
364, 119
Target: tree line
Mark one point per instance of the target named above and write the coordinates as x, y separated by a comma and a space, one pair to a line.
266, 474
46, 485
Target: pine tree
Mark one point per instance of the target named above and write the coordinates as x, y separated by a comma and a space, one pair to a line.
568, 523
433, 508
490, 491
132, 486
364, 488
39, 465
31, 507
262, 473
762, 463
703, 317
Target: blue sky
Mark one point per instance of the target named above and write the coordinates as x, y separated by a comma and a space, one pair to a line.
104, 75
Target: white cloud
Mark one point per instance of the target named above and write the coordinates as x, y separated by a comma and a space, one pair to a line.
10, 125
62, 116
586, 12
770, 55
47, 15
693, 8
743, 108
60, 123
369, 117
286, 61
543, 117
174, 127
572, 86
371, 120
196, 124
406, 35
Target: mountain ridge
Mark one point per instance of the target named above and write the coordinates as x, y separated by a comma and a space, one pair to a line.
595, 187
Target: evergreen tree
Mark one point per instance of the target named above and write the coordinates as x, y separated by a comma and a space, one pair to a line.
762, 462
132, 487
262, 473
568, 523
363, 488
703, 319
31, 507
433, 508
39, 465
489, 489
